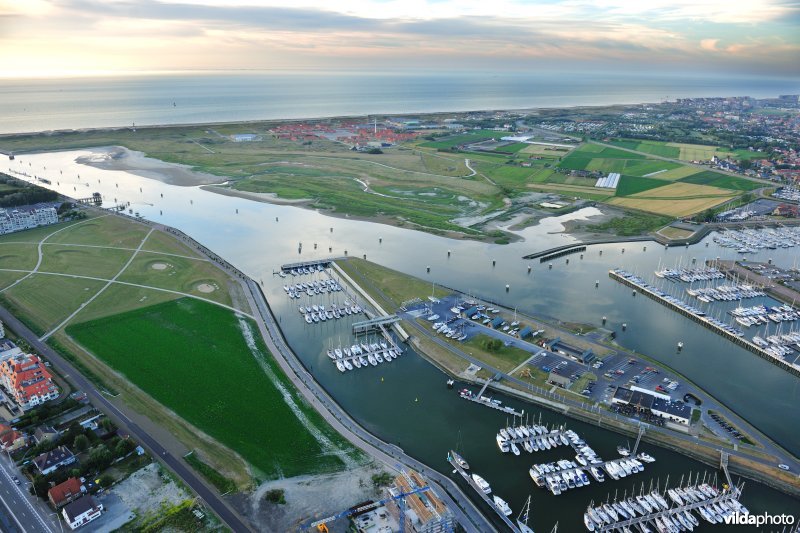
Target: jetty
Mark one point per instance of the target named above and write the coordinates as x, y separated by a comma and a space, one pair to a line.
487, 401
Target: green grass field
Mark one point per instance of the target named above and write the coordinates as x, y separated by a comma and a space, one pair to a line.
631, 185
47, 300
178, 274
724, 181
447, 143
94, 262
512, 148
193, 358
20, 256
505, 358
396, 286
103, 231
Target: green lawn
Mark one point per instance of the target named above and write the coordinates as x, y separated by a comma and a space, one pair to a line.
104, 231
93, 262
504, 358
724, 181
47, 300
445, 143
631, 185
178, 274
162, 242
512, 148
193, 358
396, 286
20, 256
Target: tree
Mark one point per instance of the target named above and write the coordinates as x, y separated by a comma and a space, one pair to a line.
105, 481
81, 443
100, 458
40, 486
124, 447
108, 425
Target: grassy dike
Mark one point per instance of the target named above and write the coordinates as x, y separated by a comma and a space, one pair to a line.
195, 369
390, 288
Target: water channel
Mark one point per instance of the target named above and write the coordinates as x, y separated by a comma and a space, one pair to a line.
407, 402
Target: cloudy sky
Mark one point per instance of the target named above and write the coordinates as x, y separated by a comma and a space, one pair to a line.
81, 37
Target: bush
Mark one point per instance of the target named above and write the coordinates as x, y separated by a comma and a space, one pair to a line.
81, 443
275, 496
383, 479
105, 481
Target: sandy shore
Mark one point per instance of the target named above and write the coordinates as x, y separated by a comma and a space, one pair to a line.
120, 158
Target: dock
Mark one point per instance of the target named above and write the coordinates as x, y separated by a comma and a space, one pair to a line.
627, 279
485, 497
373, 324
324, 263
553, 253
486, 401
725, 497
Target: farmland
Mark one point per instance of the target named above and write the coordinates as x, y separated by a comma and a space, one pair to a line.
684, 151
676, 199
629, 185
197, 350
715, 179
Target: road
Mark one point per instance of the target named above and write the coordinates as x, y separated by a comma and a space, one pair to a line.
19, 511
63, 367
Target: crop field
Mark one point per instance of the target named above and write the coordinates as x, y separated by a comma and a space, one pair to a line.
678, 173
643, 167
576, 191
630, 185
512, 148
724, 181
651, 147
190, 350
93, 262
676, 199
47, 300
596, 157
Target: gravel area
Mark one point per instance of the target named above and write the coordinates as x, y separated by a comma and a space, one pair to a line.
146, 489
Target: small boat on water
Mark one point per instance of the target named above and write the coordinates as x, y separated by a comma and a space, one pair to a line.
340, 366
522, 519
501, 505
459, 460
482, 483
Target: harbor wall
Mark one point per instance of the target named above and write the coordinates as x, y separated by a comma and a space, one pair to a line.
730, 336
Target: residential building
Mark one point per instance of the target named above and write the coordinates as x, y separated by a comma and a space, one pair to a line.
65, 492
11, 439
81, 512
17, 220
53, 460
43, 433
27, 380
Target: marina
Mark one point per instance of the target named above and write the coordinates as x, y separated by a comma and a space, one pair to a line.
729, 332
670, 511
487, 401
366, 353
750, 240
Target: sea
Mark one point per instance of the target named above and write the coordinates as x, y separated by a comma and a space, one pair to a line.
43, 104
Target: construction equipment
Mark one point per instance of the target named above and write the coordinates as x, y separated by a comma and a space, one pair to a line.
321, 524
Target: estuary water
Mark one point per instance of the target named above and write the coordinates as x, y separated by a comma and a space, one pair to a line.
407, 402
28, 105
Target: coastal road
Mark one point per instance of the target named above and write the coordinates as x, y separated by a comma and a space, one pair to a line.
63, 367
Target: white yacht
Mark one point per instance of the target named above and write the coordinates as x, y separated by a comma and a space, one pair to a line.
501, 505
482, 483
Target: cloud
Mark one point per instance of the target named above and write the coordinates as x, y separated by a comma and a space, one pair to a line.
122, 34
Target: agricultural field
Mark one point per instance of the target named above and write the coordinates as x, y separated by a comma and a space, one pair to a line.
629, 185
198, 350
596, 157
546, 150
684, 151
676, 199
723, 181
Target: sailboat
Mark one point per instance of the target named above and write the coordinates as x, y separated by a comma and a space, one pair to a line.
522, 519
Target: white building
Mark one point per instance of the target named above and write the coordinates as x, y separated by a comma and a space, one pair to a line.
81, 512
11, 221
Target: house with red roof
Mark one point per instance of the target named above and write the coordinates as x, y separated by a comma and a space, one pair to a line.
27, 380
65, 492
11, 439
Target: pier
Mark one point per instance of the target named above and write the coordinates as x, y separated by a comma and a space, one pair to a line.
556, 252
624, 278
488, 402
374, 324
471, 482
324, 263
724, 497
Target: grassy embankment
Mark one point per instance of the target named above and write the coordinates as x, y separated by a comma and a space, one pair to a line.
167, 346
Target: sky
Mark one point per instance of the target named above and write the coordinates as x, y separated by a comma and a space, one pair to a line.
98, 37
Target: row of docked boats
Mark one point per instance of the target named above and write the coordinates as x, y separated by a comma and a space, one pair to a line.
321, 313
559, 476
749, 240
690, 275
363, 355
677, 302
312, 288
308, 269
655, 510
531, 438
725, 293
761, 314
